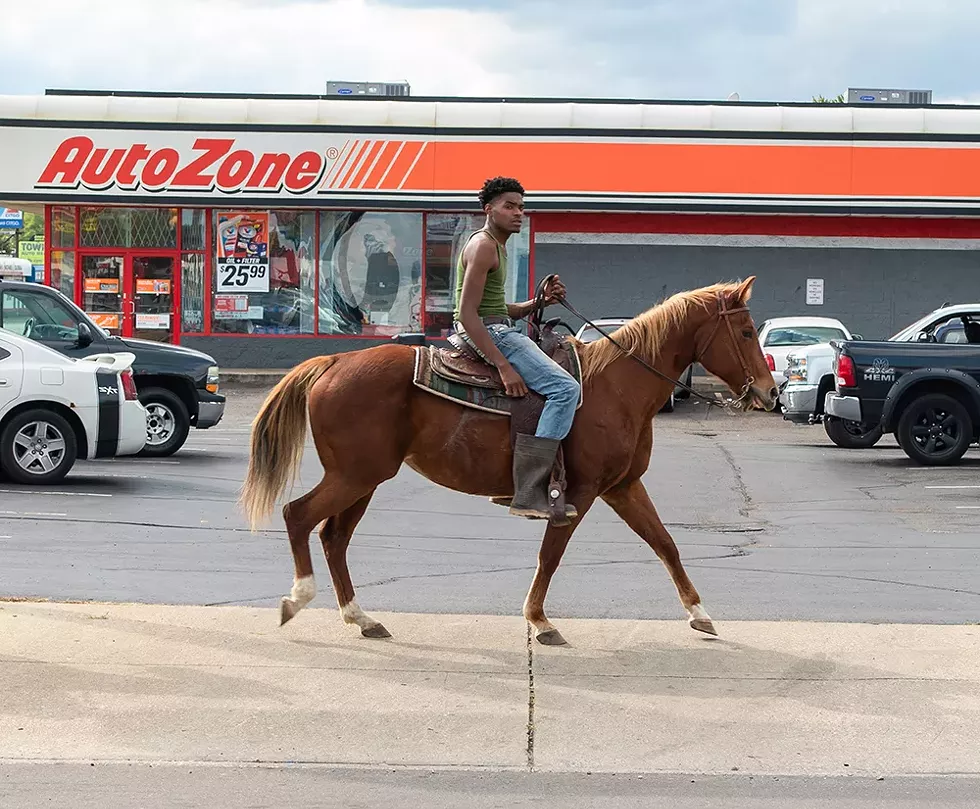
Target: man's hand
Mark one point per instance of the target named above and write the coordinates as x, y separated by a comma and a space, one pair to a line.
554, 291
513, 383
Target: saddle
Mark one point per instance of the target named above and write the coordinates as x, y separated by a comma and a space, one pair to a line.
461, 374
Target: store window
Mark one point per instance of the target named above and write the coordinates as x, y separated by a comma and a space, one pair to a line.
370, 272
62, 226
445, 237
62, 275
264, 272
192, 292
192, 224
128, 227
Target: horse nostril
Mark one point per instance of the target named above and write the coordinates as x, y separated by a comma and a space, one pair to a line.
773, 392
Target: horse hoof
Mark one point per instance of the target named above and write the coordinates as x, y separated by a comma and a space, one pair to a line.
704, 625
551, 637
287, 610
377, 631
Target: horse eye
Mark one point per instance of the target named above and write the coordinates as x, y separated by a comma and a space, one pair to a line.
747, 334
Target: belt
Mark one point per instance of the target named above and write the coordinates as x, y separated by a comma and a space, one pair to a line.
497, 320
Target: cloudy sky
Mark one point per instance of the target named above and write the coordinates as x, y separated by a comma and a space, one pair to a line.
702, 49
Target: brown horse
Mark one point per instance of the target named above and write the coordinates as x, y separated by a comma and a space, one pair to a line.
368, 418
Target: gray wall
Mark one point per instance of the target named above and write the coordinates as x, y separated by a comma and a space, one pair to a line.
874, 292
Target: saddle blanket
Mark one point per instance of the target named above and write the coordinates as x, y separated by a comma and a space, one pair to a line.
451, 375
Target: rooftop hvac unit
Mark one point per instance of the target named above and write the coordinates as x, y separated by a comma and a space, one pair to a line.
368, 88
870, 96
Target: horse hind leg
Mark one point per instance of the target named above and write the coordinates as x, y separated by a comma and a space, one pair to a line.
335, 536
301, 517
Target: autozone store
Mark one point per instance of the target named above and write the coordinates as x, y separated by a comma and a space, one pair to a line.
266, 230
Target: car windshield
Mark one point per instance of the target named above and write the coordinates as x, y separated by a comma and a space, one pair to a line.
590, 335
803, 335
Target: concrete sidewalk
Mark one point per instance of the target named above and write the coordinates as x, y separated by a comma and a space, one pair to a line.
96, 682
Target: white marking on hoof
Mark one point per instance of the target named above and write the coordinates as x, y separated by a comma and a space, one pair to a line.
353, 614
700, 620
303, 592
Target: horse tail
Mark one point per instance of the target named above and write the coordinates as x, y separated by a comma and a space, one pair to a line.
278, 435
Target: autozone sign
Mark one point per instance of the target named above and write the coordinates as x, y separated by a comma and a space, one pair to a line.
212, 163
61, 163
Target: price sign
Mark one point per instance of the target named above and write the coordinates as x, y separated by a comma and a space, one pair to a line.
243, 276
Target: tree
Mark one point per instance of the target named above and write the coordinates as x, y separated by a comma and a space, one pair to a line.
838, 99
33, 226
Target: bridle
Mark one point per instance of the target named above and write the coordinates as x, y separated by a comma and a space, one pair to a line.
724, 316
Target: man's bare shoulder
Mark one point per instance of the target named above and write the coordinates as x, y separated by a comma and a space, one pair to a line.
480, 253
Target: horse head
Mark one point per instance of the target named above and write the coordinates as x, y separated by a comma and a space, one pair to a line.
727, 345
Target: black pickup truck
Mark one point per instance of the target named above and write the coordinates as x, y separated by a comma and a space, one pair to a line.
925, 393
177, 386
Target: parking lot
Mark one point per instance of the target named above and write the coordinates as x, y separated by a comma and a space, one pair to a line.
772, 520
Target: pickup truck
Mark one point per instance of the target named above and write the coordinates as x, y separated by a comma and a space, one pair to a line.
177, 386
810, 374
925, 393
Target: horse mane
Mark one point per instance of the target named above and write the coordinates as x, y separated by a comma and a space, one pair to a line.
645, 334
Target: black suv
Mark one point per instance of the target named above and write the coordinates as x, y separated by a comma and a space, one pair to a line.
177, 386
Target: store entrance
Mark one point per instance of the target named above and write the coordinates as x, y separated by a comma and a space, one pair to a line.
131, 294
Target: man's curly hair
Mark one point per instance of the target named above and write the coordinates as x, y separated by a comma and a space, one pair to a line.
493, 188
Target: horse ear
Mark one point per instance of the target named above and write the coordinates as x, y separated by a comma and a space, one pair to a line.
743, 292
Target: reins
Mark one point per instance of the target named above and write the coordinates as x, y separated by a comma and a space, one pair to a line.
724, 315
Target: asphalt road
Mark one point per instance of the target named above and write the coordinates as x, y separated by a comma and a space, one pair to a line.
772, 520
125, 785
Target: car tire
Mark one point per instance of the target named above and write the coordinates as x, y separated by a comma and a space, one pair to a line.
686, 394
850, 434
935, 430
668, 405
37, 447
167, 422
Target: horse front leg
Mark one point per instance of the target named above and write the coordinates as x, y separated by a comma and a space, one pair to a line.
552, 549
632, 503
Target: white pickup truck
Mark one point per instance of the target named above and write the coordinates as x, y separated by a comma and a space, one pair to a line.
810, 374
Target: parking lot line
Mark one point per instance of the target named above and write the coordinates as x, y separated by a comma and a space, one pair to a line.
953, 487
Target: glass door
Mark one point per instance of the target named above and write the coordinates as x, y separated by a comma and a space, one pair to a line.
154, 309
102, 290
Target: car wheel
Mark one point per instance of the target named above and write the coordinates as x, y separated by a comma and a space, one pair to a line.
935, 430
38, 446
668, 405
851, 434
167, 422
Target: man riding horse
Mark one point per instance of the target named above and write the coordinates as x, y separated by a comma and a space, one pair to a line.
486, 322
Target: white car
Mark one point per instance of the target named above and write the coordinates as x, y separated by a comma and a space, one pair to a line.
587, 334
781, 335
54, 409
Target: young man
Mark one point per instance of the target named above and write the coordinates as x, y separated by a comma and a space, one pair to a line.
486, 321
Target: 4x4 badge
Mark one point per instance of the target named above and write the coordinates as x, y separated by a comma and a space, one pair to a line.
879, 371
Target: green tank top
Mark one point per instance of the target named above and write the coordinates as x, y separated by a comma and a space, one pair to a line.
494, 301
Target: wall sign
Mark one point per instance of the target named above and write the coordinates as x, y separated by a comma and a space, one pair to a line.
243, 252
814, 291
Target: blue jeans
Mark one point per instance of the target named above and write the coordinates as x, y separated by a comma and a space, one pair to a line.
542, 375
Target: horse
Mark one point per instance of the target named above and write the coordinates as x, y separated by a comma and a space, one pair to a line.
368, 418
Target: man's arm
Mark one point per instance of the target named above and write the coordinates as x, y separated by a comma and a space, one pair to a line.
479, 258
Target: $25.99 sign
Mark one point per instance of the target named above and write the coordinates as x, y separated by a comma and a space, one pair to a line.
243, 252
243, 277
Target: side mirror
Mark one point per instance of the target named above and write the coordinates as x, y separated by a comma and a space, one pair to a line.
924, 337
85, 336
857, 337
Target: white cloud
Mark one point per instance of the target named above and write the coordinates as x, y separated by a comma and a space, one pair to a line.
257, 46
